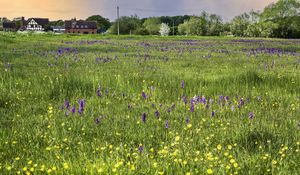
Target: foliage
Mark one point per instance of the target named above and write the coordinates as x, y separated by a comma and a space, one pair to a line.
57, 23
204, 25
164, 29
240, 24
103, 24
280, 19
128, 25
152, 25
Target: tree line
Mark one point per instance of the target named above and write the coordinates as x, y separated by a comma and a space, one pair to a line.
280, 19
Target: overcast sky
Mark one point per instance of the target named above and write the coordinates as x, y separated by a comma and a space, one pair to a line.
66, 9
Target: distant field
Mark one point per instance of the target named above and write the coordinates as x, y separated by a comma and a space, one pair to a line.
149, 105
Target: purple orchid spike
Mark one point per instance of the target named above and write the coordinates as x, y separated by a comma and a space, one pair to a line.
73, 109
167, 124
184, 100
97, 120
67, 105
251, 115
144, 117
141, 148
187, 120
98, 92
192, 108
182, 84
156, 114
144, 95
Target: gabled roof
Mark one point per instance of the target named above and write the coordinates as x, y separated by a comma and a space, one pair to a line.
72, 24
9, 25
40, 21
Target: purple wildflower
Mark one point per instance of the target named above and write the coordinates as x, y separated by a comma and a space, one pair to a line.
221, 97
251, 115
141, 148
241, 102
73, 109
182, 84
144, 95
184, 100
67, 105
211, 101
203, 100
81, 106
169, 110
167, 124
156, 113
192, 108
144, 117
98, 92
212, 113
227, 98
153, 105
173, 106
187, 120
97, 120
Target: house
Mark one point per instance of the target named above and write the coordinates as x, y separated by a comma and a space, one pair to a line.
37, 24
58, 29
83, 27
9, 26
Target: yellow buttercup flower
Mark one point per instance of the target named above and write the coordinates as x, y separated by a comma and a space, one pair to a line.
209, 171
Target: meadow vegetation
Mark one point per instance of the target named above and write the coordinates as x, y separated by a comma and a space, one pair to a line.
74, 104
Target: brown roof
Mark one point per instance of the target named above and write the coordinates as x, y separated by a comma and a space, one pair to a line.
40, 21
9, 25
71, 24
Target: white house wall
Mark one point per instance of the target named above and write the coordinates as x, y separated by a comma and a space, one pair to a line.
34, 26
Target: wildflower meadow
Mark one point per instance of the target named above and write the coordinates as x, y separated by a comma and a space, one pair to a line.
83, 104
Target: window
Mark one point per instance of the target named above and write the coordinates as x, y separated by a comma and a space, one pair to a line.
86, 26
77, 26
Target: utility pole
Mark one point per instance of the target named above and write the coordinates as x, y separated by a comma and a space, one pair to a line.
118, 23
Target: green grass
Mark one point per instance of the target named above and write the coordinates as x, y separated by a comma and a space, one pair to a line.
37, 137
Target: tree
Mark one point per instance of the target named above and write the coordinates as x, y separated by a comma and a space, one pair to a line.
285, 15
152, 25
164, 29
103, 24
57, 23
128, 25
206, 24
215, 26
240, 24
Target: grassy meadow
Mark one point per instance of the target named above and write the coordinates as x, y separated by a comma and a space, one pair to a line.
91, 104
